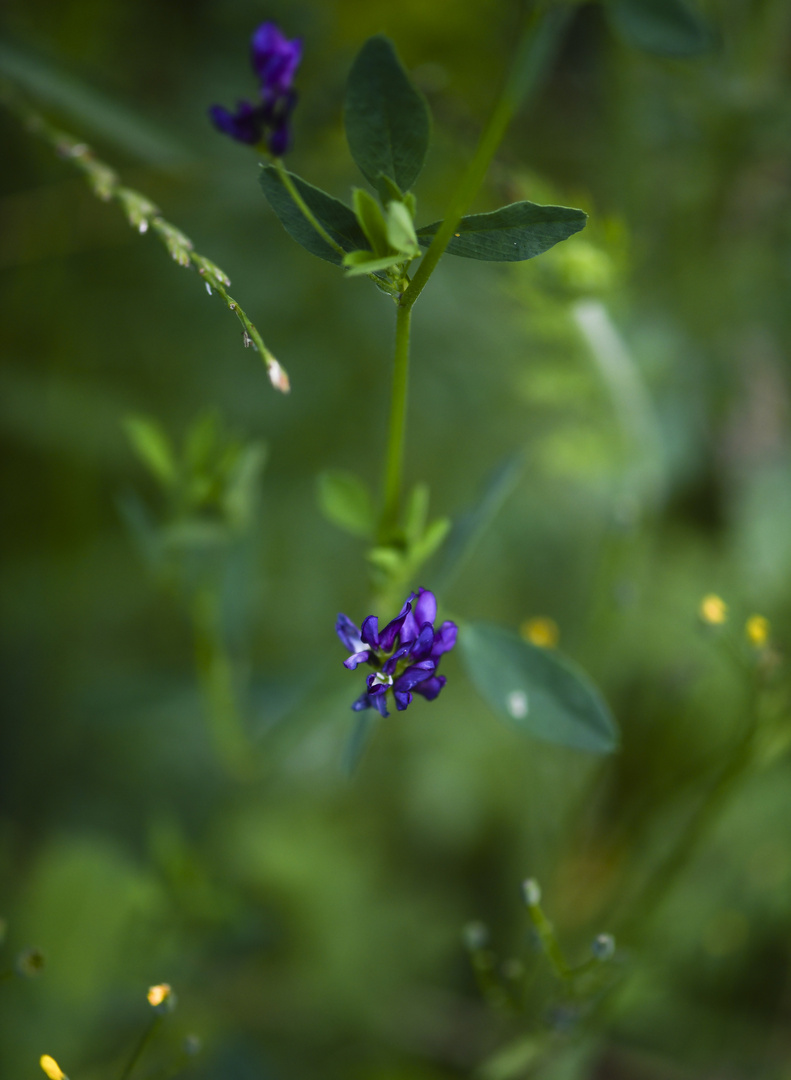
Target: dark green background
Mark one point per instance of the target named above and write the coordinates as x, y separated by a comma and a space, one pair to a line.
311, 925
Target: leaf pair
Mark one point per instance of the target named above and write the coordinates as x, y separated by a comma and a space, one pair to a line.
387, 127
347, 502
391, 238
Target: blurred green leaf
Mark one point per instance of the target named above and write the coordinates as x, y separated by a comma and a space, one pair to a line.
115, 123
387, 118
430, 542
416, 513
665, 27
240, 495
472, 525
200, 443
336, 217
359, 738
195, 535
152, 446
346, 501
513, 233
543, 694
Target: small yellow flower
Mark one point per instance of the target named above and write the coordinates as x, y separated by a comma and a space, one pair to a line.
158, 994
713, 610
51, 1068
757, 630
541, 631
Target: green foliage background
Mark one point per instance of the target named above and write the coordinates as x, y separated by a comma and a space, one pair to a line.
311, 924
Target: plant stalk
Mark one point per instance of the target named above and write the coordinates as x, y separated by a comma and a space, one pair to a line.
535, 53
394, 462
140, 1047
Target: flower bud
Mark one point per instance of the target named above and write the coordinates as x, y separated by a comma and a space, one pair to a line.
161, 998
531, 892
757, 630
603, 947
51, 1068
475, 935
713, 610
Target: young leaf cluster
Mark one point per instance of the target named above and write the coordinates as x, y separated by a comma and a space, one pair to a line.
210, 488
346, 501
388, 126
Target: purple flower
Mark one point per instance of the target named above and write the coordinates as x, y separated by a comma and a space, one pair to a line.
404, 655
275, 60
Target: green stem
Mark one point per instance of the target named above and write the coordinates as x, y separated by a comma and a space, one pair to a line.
218, 683
307, 213
397, 429
664, 878
536, 50
549, 942
141, 1045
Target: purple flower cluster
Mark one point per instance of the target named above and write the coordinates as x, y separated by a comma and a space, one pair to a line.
404, 655
275, 61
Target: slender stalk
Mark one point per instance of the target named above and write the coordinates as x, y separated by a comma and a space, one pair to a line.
664, 877
307, 213
536, 50
218, 684
140, 1047
549, 942
394, 461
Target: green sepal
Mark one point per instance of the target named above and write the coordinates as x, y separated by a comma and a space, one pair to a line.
371, 221
391, 192
365, 262
333, 215
539, 691
386, 117
152, 446
671, 28
513, 233
401, 230
431, 540
416, 513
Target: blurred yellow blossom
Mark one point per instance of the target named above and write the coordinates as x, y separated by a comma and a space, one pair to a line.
541, 631
713, 609
757, 630
157, 994
51, 1068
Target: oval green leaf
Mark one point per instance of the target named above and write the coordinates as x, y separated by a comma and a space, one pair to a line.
542, 693
663, 27
386, 117
513, 233
333, 215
